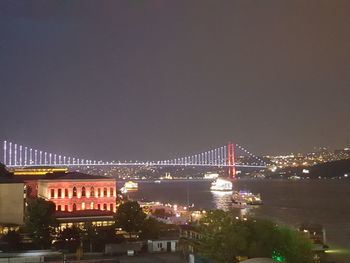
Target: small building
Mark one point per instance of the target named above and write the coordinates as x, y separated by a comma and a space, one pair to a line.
162, 245
189, 239
12, 200
80, 218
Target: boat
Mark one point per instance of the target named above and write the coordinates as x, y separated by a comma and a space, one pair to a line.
243, 199
131, 186
157, 181
221, 184
211, 176
123, 190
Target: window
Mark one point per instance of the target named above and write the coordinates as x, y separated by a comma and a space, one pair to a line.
111, 191
83, 192
74, 207
59, 193
111, 207
66, 208
104, 206
99, 207
66, 192
74, 191
52, 193
160, 245
92, 191
99, 192
104, 191
58, 208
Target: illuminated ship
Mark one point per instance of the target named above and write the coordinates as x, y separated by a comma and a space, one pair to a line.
242, 199
129, 186
221, 185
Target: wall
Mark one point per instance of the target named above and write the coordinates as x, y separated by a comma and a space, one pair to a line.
12, 203
161, 245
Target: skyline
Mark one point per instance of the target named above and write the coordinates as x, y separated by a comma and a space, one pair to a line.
136, 81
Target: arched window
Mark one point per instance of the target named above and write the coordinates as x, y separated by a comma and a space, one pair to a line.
74, 191
111, 207
104, 192
74, 207
83, 192
66, 192
104, 206
92, 191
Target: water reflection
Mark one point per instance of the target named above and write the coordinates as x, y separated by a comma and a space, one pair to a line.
222, 199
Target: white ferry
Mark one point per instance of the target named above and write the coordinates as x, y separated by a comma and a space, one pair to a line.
130, 185
221, 185
211, 176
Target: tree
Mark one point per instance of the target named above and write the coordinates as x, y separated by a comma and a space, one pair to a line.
224, 238
90, 234
150, 229
69, 238
13, 240
40, 221
293, 246
130, 217
3, 170
221, 239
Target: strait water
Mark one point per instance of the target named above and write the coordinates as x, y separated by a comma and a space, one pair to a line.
326, 202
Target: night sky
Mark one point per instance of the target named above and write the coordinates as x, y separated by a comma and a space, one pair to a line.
160, 79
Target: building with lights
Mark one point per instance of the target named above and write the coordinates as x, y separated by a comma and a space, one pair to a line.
75, 191
12, 202
78, 197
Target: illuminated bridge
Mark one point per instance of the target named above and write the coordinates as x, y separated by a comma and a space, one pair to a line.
231, 156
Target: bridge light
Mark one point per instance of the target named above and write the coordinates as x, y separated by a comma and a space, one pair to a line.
25, 155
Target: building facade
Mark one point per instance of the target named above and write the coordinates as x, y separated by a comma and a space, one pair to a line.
77, 192
12, 200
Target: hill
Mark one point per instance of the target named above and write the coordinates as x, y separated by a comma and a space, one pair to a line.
331, 169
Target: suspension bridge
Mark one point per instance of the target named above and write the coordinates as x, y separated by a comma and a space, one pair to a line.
230, 156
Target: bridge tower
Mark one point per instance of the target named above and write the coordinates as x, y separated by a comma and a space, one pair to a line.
231, 160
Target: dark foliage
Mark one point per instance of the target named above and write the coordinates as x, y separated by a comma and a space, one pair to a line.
40, 221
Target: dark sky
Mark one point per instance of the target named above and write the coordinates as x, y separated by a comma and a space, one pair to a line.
159, 79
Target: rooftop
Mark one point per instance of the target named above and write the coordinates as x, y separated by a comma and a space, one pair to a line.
60, 176
9, 180
73, 176
189, 228
83, 213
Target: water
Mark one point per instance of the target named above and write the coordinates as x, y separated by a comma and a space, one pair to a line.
326, 202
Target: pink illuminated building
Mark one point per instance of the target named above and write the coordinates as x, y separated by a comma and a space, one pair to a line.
74, 192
